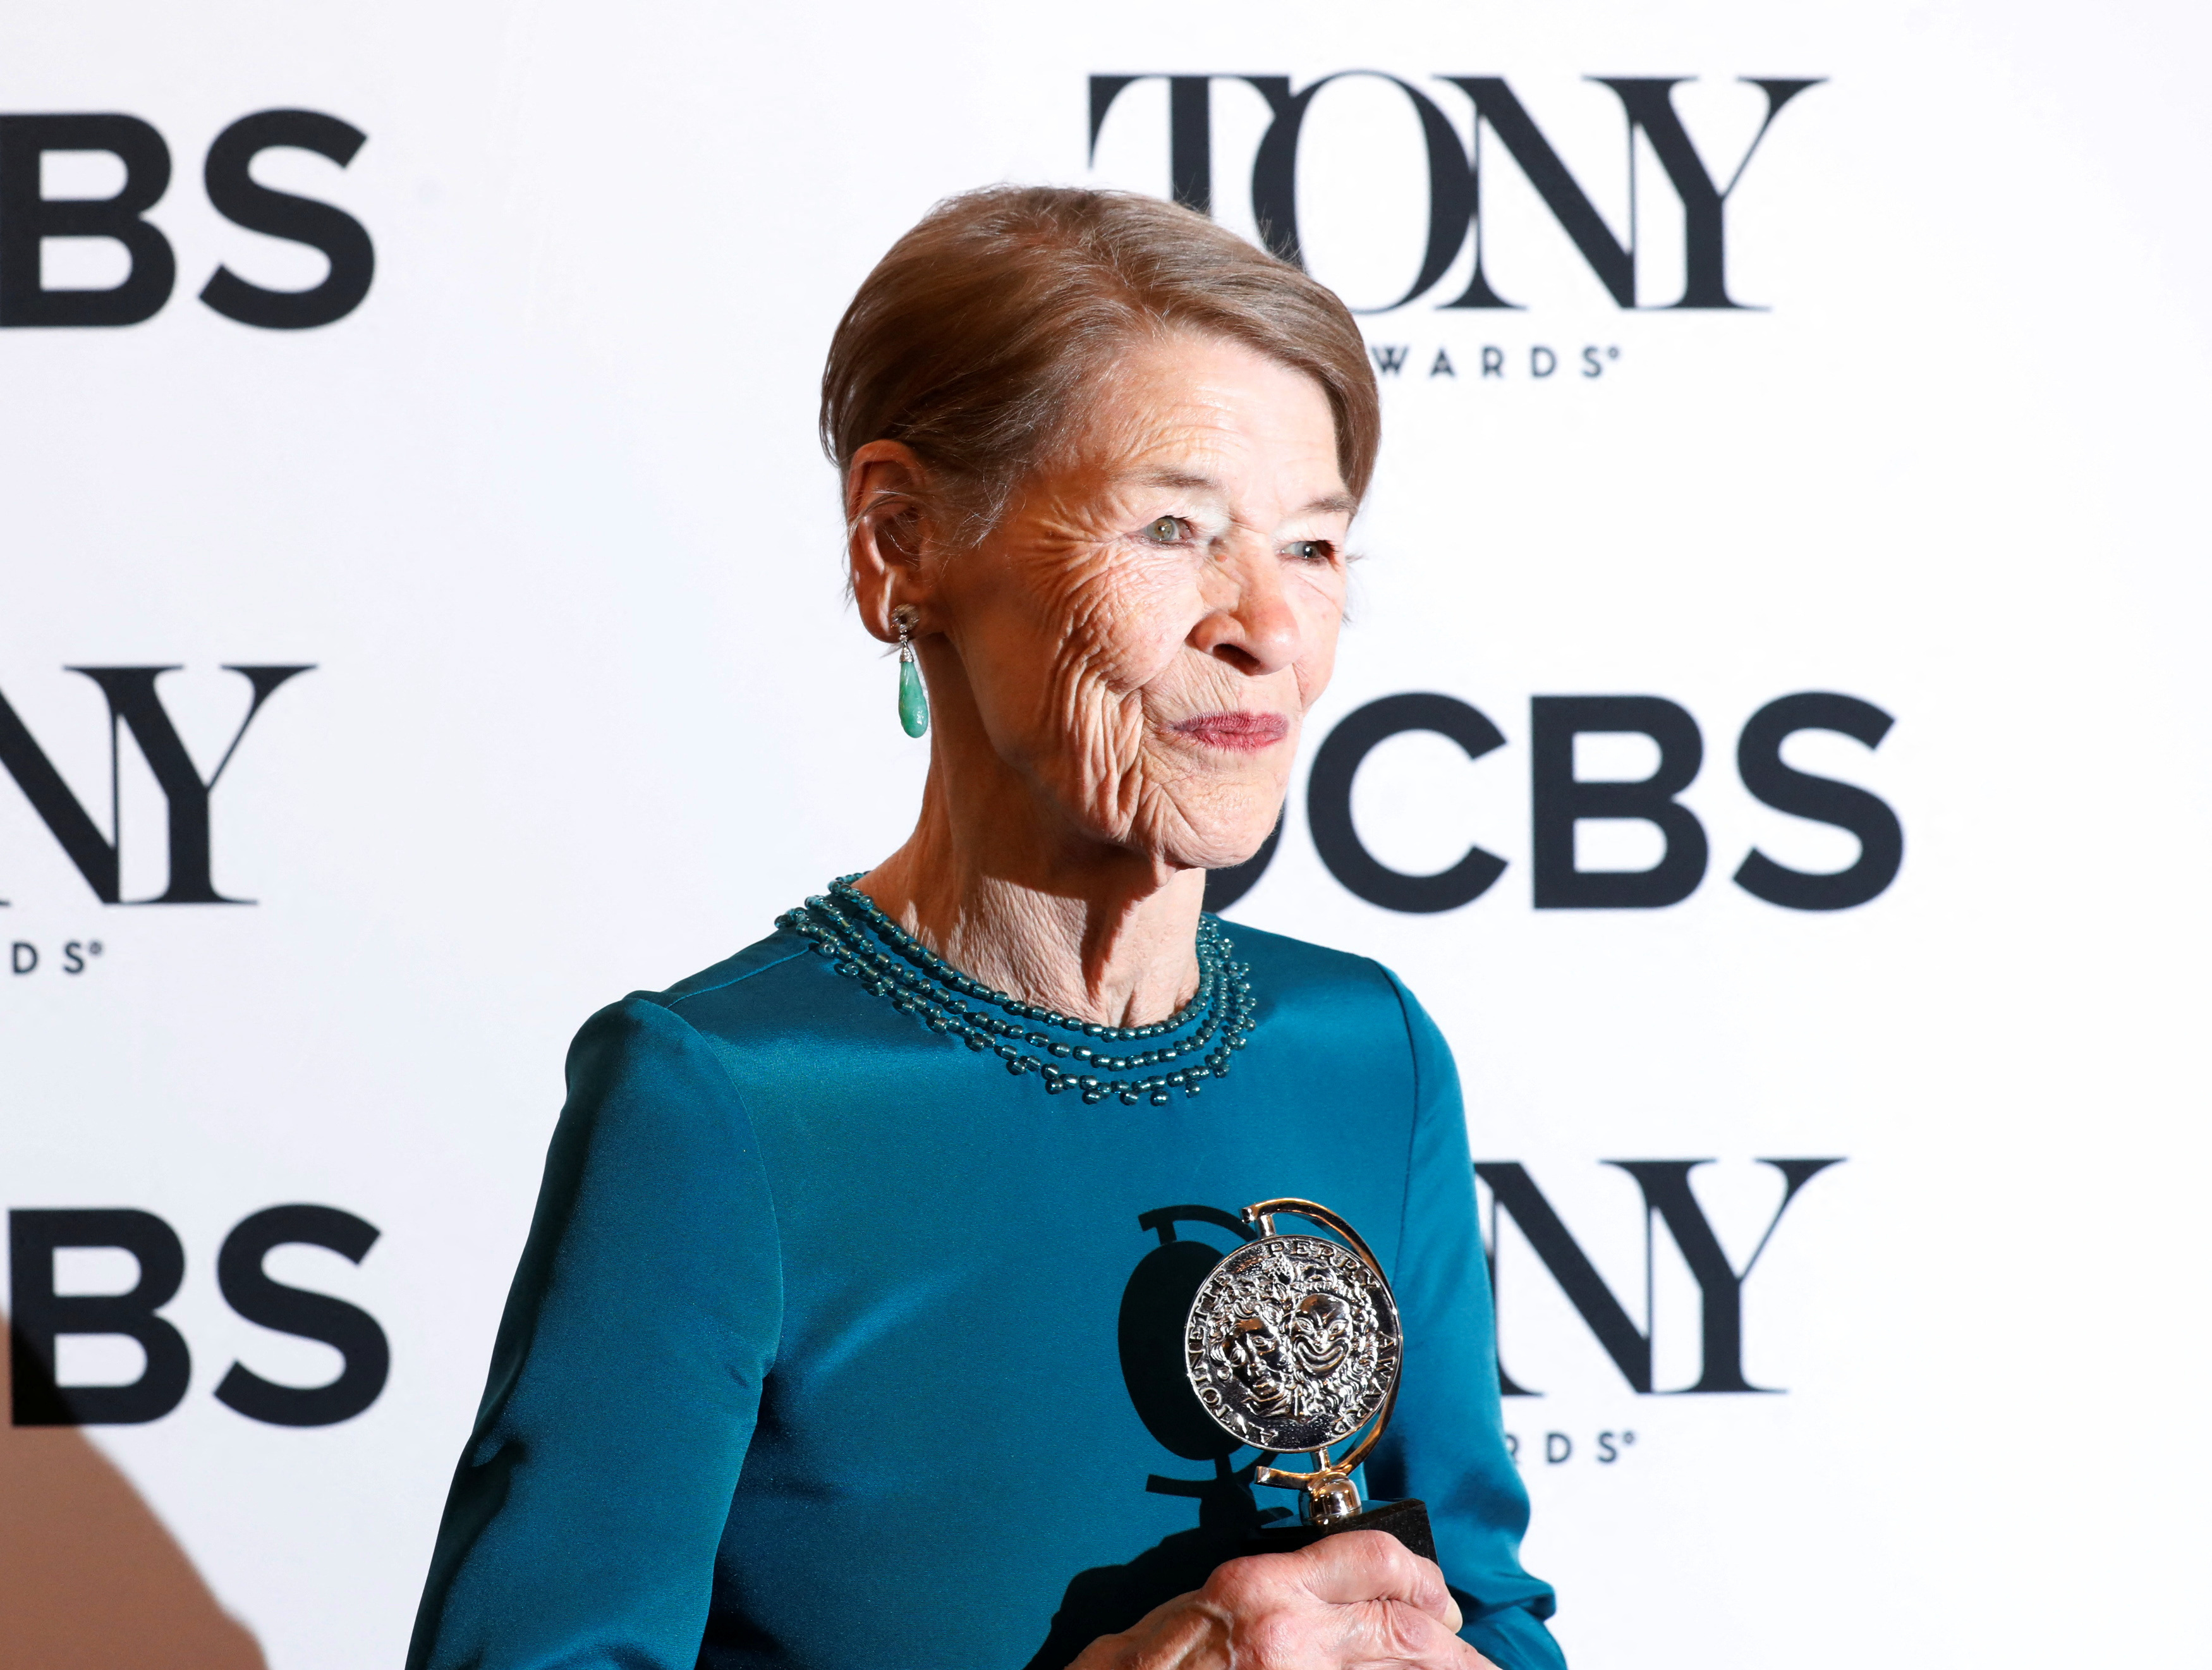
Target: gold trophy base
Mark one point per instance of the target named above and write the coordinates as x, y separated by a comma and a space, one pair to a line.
1407, 1520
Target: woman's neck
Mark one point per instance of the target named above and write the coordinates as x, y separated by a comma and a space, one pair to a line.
1093, 931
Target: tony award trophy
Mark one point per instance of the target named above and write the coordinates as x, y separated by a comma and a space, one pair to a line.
1293, 1346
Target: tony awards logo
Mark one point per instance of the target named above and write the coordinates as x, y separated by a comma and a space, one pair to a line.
1293, 1346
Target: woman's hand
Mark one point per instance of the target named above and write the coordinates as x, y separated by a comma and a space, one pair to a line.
1361, 1601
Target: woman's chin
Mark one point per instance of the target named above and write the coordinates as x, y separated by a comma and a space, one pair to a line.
1218, 847
1187, 832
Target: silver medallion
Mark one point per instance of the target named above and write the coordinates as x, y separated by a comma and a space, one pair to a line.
1293, 1341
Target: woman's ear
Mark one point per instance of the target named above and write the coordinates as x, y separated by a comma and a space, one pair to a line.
887, 534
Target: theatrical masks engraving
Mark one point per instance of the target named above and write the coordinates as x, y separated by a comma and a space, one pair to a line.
1293, 1343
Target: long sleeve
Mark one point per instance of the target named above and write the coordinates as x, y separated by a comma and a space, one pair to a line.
1446, 1442
626, 1379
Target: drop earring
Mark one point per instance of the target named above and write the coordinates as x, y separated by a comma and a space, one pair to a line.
914, 700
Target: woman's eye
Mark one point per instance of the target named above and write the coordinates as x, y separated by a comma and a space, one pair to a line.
1167, 530
1309, 550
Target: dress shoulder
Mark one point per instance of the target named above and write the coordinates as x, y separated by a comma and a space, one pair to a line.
757, 958
750, 996
1301, 979
1289, 963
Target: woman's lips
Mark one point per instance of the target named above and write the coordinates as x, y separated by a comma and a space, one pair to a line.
1246, 732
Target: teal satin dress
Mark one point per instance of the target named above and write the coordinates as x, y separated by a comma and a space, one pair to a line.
834, 1345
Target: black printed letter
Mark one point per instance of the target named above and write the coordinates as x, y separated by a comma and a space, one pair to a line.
240, 199
1561, 800
1329, 803
1759, 762
39, 1315
253, 1296
28, 216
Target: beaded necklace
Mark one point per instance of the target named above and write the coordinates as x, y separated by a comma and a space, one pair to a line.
865, 945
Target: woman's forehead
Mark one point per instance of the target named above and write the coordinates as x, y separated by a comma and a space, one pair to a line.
1210, 383
1215, 439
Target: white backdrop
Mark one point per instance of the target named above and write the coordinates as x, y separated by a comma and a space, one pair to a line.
544, 512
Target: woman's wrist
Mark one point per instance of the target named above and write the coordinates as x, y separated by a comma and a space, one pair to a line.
1185, 1634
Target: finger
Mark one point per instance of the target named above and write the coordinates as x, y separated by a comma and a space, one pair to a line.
1373, 1565
1395, 1633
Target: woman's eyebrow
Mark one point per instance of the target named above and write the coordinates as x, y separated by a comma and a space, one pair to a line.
1183, 478
1338, 504
1334, 504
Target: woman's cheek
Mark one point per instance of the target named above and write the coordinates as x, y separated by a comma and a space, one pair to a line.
1131, 635
1313, 670
1316, 663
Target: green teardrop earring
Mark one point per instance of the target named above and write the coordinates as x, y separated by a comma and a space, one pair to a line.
914, 700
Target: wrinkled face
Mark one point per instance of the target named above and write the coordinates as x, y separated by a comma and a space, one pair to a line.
1145, 628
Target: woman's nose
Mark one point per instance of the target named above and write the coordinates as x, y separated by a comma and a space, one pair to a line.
1250, 624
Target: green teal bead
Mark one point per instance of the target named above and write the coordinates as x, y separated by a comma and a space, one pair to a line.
913, 701
915, 979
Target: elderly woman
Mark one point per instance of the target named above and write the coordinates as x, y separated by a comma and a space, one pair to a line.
838, 1337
